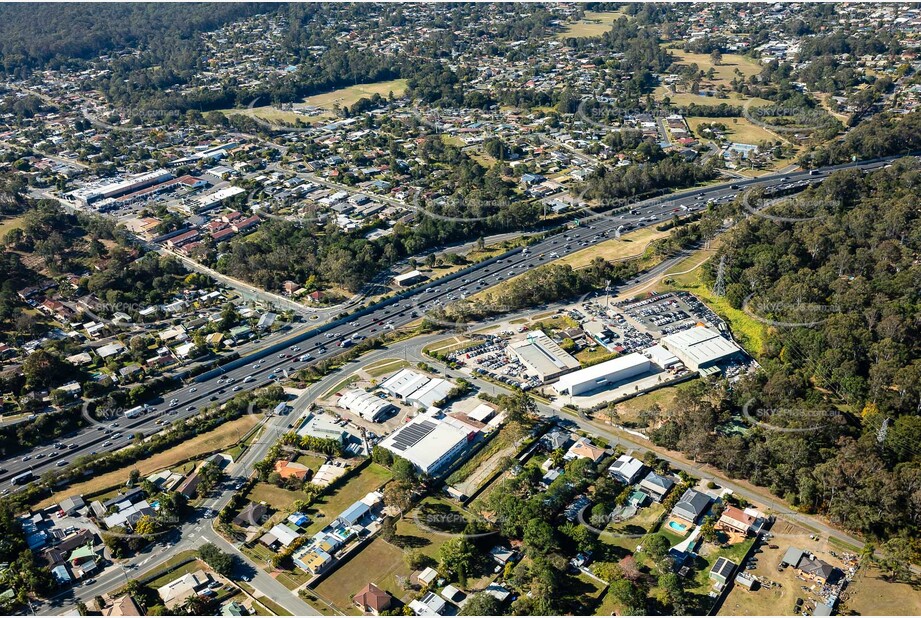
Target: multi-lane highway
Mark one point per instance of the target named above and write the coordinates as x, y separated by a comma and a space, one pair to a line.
263, 367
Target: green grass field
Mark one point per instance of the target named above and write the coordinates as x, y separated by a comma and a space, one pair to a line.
379, 563
326, 508
346, 97
592, 24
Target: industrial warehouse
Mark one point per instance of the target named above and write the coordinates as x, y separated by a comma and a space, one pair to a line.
701, 349
603, 375
431, 441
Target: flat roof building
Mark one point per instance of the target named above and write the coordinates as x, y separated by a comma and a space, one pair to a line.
428, 443
700, 348
543, 357
207, 202
323, 427
603, 375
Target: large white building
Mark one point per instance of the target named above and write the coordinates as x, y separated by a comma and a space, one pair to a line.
542, 356
700, 348
434, 391
89, 195
404, 383
428, 442
366, 405
603, 375
207, 202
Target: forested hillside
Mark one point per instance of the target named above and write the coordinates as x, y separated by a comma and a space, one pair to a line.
36, 35
838, 403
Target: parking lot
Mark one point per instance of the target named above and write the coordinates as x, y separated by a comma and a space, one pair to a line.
668, 312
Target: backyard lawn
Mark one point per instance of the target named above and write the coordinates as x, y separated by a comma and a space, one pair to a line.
328, 507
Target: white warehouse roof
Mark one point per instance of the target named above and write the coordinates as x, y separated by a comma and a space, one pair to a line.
602, 374
433, 392
427, 442
365, 405
404, 383
700, 346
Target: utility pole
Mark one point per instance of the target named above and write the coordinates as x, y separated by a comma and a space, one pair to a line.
719, 287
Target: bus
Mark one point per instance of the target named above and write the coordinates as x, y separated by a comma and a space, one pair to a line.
22, 479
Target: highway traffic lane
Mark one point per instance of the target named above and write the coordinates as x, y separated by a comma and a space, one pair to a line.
453, 283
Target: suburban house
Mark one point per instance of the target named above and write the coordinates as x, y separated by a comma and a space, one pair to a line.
584, 449
125, 606
736, 520
372, 600
279, 536
252, 515
626, 469
429, 605
175, 593
656, 486
291, 469
810, 567
692, 505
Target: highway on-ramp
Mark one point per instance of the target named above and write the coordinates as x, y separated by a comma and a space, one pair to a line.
326, 341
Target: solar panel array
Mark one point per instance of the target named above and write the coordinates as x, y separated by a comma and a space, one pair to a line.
410, 435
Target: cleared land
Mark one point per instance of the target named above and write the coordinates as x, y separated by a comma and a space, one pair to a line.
10, 223
326, 508
592, 24
385, 366
379, 562
871, 595
224, 436
346, 97
629, 245
725, 70
631, 411
739, 130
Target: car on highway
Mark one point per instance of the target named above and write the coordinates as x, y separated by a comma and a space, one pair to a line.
61, 464
190, 408
237, 388
193, 389
26, 458
106, 444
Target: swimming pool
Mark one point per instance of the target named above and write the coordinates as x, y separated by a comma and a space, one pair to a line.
674, 525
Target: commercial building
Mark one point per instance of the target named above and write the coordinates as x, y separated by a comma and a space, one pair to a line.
324, 427
366, 405
428, 443
701, 348
434, 391
404, 383
603, 375
543, 357
207, 202
90, 195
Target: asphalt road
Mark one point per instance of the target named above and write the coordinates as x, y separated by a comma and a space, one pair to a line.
198, 530
324, 341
